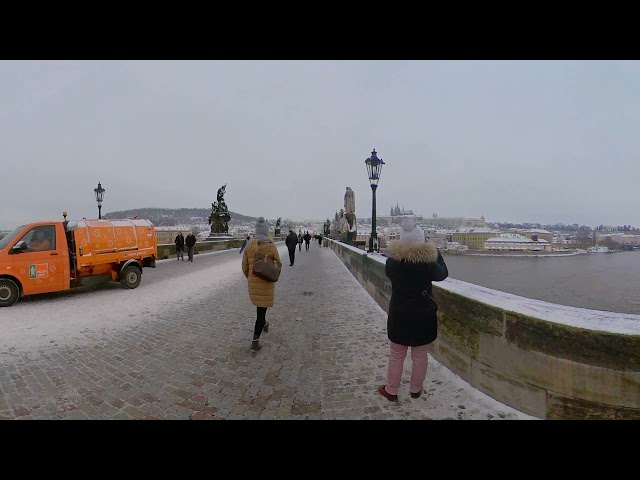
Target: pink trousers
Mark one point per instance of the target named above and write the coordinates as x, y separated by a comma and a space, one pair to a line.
397, 355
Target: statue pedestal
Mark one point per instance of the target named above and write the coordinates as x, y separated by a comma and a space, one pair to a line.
218, 236
348, 237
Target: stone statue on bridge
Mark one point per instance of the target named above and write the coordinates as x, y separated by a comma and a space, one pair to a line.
350, 214
219, 218
342, 225
277, 228
349, 201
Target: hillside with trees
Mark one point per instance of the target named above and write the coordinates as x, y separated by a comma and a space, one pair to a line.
175, 216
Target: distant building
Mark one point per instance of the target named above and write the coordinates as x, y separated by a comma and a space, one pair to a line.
540, 234
473, 238
455, 247
393, 235
440, 239
457, 222
474, 222
620, 238
515, 244
397, 214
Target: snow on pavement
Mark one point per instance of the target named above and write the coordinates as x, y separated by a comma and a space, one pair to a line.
80, 316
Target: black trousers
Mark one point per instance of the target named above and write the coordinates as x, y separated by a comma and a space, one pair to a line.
260, 321
292, 255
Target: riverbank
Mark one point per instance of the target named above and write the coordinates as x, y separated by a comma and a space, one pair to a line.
514, 254
532, 254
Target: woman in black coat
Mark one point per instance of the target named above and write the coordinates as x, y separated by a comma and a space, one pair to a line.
411, 266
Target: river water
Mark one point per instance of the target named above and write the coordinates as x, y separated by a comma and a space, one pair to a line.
600, 281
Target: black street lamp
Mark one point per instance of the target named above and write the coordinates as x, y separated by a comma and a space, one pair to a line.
374, 168
99, 196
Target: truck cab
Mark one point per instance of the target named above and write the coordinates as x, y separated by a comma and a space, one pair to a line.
35, 258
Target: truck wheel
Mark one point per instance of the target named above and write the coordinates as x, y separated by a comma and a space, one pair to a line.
131, 276
9, 292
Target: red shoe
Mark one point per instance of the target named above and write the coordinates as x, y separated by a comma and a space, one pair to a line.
382, 391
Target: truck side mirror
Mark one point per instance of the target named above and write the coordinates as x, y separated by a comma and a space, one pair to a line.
19, 247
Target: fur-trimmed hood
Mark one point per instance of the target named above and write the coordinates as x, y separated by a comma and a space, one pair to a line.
426, 252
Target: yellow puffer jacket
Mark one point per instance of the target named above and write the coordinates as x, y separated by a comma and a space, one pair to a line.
261, 292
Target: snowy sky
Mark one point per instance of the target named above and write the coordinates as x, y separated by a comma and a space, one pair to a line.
514, 141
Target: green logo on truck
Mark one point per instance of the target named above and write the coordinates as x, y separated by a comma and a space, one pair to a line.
32, 271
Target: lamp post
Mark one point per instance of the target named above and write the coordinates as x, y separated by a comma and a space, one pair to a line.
374, 168
99, 196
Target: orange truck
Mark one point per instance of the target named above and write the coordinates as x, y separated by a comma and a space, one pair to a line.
46, 257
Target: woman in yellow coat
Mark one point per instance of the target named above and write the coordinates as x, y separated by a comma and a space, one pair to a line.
261, 292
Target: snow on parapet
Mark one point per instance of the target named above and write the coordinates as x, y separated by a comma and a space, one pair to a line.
623, 323
349, 247
613, 322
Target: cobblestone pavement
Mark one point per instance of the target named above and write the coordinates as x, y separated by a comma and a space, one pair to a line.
323, 357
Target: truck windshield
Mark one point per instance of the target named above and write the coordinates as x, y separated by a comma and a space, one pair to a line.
10, 237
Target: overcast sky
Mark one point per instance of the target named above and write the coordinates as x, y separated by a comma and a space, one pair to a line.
513, 141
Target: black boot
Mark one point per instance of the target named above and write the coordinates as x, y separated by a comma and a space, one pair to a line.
266, 327
255, 345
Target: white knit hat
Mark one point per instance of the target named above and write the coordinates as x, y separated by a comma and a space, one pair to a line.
411, 231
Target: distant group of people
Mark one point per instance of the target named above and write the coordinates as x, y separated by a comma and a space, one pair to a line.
181, 242
294, 240
413, 263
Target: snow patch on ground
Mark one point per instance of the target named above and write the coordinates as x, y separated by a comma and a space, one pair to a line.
81, 317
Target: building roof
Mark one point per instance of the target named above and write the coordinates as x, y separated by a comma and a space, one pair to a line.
514, 240
475, 230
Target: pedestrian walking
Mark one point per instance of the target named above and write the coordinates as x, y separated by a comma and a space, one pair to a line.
291, 241
261, 292
300, 240
180, 246
307, 240
191, 243
411, 266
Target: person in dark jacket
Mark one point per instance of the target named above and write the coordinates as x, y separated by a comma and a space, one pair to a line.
307, 239
180, 246
299, 240
411, 266
291, 241
190, 241
319, 240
